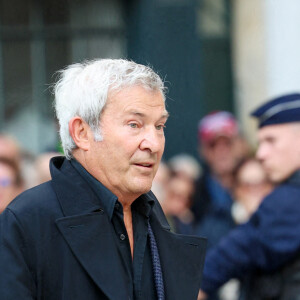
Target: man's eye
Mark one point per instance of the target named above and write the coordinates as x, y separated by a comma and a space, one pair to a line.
133, 125
160, 127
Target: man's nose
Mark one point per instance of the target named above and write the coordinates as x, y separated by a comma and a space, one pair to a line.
261, 152
152, 140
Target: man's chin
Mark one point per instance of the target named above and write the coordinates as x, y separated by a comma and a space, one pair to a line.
142, 189
140, 184
276, 179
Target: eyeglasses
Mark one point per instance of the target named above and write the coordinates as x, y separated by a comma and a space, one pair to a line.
224, 141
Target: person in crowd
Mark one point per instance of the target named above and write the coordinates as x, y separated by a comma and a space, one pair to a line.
10, 148
185, 165
41, 167
264, 252
250, 187
177, 204
96, 231
184, 171
11, 182
160, 182
221, 147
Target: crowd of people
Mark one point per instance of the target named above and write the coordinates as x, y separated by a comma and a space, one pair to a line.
244, 205
212, 195
20, 170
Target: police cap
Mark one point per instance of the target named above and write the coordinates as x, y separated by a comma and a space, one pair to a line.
280, 110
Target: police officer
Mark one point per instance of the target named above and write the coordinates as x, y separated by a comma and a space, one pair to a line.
265, 252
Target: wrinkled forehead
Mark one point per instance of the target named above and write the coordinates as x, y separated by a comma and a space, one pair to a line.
136, 93
135, 102
114, 89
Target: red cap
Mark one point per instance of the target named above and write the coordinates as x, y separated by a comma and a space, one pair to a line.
216, 124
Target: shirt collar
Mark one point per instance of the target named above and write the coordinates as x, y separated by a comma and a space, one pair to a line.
142, 204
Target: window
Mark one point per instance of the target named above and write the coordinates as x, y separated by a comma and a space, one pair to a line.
37, 38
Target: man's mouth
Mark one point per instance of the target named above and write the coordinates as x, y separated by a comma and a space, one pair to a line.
144, 165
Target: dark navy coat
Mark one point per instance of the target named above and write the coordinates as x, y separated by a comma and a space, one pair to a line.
56, 243
268, 242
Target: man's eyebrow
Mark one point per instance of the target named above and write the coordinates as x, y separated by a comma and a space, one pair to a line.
136, 113
165, 115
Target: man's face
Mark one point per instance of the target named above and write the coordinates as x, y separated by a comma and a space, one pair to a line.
178, 193
279, 150
251, 185
132, 126
220, 154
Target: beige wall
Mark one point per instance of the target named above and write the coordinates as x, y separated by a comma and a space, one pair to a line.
249, 63
266, 47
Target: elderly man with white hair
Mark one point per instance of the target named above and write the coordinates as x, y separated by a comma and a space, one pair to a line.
96, 231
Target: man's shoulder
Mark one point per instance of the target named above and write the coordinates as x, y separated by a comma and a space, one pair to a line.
281, 204
285, 192
36, 200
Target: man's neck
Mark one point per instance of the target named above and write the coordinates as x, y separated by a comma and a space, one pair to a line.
128, 225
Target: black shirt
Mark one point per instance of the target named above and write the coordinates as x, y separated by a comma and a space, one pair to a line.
139, 270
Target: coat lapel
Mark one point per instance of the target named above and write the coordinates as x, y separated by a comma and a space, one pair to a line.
88, 232
182, 259
91, 239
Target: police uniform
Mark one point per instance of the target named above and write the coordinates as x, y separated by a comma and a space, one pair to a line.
265, 252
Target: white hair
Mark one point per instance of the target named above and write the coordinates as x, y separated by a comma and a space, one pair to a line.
185, 164
82, 90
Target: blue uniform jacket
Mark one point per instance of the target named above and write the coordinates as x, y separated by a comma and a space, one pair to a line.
267, 242
56, 242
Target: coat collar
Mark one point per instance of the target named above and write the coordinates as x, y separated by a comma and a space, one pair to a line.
74, 195
99, 189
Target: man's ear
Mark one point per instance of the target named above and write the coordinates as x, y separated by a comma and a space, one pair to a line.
80, 133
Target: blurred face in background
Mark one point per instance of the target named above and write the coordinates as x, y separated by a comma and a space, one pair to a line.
9, 148
160, 182
9, 188
42, 172
178, 195
221, 154
251, 185
279, 150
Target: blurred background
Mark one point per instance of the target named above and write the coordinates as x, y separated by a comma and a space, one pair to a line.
214, 55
